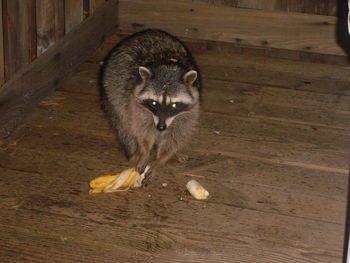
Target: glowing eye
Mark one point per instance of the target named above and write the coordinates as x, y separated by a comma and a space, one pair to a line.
174, 105
154, 103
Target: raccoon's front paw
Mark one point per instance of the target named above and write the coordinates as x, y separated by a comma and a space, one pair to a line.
148, 176
141, 168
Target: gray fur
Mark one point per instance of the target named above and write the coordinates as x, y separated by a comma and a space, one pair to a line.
174, 77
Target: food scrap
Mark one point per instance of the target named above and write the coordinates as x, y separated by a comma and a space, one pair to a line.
117, 182
130, 178
197, 190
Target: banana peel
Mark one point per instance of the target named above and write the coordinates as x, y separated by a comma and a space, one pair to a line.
110, 183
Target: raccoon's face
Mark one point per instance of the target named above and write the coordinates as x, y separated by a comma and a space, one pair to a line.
166, 94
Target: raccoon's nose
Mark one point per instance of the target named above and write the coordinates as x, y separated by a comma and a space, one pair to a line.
161, 126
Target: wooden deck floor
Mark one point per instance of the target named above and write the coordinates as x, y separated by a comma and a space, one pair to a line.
272, 149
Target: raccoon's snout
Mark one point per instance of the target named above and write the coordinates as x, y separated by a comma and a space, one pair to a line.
161, 126
160, 123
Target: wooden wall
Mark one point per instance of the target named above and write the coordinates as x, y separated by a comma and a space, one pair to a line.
30, 27
43, 41
319, 7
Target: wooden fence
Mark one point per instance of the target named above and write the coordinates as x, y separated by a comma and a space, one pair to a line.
28, 28
41, 42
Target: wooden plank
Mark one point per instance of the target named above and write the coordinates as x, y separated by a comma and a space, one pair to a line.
19, 95
318, 78
273, 116
317, 111
264, 197
73, 13
300, 150
60, 30
32, 30
259, 51
251, 4
257, 4
86, 8
50, 23
43, 247
307, 34
141, 234
134, 216
19, 35
60, 208
240, 170
2, 61
319, 7
94, 4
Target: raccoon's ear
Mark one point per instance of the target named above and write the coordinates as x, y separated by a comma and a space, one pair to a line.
145, 73
190, 77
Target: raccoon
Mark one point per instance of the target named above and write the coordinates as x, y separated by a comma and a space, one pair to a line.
151, 92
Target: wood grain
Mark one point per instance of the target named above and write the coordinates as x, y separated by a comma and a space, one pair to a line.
154, 227
320, 7
18, 95
95, 4
86, 8
151, 228
19, 35
316, 78
2, 61
277, 181
50, 23
73, 13
66, 107
273, 131
242, 27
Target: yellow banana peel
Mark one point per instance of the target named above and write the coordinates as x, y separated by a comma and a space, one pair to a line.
110, 183
102, 181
